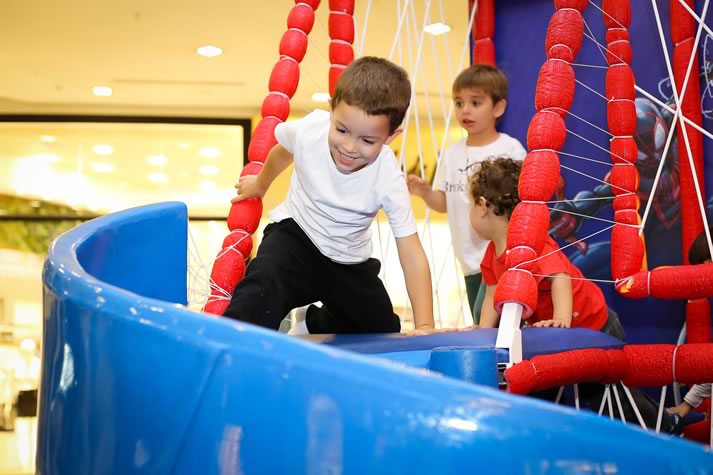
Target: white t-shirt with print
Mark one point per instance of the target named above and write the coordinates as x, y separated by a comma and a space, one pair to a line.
335, 209
457, 165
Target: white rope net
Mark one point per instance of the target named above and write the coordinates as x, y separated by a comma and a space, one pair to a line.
429, 128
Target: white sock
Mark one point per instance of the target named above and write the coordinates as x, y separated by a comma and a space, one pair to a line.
299, 328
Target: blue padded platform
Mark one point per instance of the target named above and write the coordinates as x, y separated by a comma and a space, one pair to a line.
535, 341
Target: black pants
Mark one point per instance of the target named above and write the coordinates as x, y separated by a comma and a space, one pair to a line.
593, 393
289, 271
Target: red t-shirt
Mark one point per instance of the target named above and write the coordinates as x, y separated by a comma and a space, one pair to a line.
589, 309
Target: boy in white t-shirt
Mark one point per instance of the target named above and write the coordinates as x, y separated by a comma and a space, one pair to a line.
480, 97
319, 246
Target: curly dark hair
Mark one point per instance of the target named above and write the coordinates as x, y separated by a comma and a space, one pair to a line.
496, 181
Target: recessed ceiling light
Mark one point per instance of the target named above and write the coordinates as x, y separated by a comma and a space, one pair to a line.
48, 138
209, 51
28, 344
157, 160
158, 177
437, 28
320, 97
209, 170
207, 186
102, 91
101, 167
210, 152
103, 149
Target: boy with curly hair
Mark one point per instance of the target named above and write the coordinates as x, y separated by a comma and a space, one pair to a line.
566, 299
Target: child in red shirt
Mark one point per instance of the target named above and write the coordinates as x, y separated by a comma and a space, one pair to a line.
566, 299
588, 308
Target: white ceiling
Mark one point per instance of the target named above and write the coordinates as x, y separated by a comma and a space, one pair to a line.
53, 53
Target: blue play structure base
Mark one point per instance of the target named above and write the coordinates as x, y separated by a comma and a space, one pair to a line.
135, 383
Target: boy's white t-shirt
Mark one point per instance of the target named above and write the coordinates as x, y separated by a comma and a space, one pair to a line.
335, 209
458, 164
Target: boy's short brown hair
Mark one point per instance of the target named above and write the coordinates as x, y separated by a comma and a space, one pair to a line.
488, 79
698, 253
496, 181
377, 86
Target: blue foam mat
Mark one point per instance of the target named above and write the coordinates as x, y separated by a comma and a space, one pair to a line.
535, 341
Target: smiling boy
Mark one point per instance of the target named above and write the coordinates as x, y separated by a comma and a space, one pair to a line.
319, 246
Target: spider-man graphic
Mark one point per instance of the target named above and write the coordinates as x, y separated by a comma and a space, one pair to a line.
652, 126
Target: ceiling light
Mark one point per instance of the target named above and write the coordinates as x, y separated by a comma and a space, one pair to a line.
28, 344
209, 170
437, 28
102, 91
48, 138
209, 51
320, 97
157, 160
158, 177
207, 186
103, 149
210, 152
100, 167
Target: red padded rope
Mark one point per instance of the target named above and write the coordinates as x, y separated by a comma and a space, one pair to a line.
244, 216
483, 31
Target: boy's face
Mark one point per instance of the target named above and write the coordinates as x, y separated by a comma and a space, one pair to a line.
355, 138
478, 219
476, 112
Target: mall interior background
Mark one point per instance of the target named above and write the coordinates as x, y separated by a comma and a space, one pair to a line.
109, 105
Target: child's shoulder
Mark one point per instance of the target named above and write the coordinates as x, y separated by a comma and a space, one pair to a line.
317, 116
507, 144
457, 147
314, 124
507, 139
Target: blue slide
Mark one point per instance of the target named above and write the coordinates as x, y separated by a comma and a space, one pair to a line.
133, 382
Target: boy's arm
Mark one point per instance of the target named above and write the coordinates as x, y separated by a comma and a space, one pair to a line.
561, 302
489, 318
418, 281
435, 199
694, 398
252, 186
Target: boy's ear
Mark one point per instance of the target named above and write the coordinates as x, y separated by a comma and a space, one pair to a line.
391, 137
499, 108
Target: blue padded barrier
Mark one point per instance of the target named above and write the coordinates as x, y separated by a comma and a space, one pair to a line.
535, 341
475, 365
135, 383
